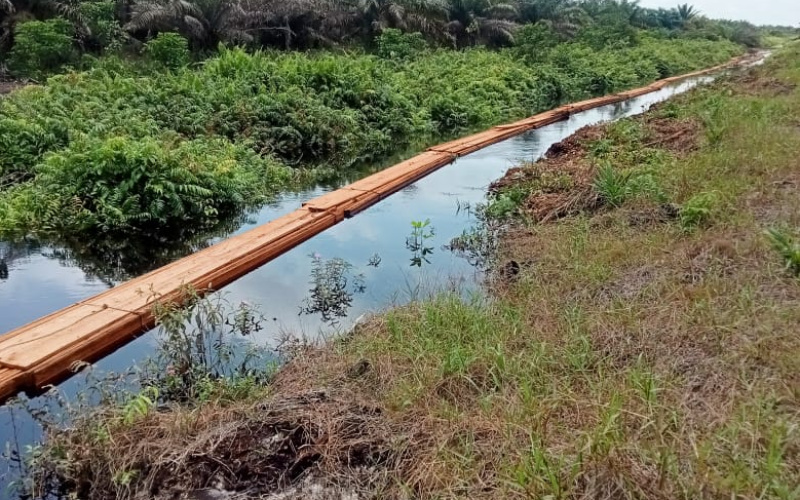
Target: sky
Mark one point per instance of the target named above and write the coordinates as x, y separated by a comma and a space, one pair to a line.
782, 12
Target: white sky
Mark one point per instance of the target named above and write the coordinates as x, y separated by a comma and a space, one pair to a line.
782, 12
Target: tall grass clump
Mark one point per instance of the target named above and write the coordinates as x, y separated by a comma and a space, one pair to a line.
787, 246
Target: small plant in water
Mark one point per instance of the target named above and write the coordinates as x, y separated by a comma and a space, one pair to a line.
333, 285
374, 260
202, 341
420, 233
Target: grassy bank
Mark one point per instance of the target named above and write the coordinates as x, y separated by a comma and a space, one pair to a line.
640, 342
125, 147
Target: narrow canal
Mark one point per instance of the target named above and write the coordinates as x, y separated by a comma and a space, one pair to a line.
36, 279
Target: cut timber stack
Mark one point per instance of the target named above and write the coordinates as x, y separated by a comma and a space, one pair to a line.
45, 351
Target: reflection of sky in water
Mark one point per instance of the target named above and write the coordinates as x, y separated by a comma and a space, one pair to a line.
38, 285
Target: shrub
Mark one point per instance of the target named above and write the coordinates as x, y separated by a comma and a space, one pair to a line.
122, 184
534, 41
697, 210
41, 48
394, 44
106, 32
169, 49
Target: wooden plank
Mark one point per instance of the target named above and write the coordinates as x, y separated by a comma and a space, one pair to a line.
47, 339
12, 380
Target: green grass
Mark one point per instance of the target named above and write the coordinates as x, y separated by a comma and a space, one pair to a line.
636, 362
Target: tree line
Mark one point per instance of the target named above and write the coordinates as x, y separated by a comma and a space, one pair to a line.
100, 26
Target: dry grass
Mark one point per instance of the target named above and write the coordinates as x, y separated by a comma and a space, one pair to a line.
635, 358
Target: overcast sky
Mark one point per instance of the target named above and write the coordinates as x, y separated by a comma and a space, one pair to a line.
783, 12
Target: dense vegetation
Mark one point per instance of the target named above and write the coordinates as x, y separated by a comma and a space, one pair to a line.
178, 105
254, 112
105, 26
644, 347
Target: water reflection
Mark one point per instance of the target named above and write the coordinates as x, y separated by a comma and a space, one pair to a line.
334, 282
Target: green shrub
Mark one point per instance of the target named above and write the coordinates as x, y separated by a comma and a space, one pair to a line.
394, 44
41, 48
534, 42
119, 184
106, 32
698, 210
23, 142
169, 49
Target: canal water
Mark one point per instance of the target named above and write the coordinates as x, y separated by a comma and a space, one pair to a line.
36, 279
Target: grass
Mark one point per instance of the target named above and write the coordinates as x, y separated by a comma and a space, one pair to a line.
638, 356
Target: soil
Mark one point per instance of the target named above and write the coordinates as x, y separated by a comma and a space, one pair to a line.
569, 162
8, 86
755, 84
299, 443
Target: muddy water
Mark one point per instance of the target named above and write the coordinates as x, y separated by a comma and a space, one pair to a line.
36, 279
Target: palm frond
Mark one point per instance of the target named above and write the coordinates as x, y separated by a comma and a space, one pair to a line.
502, 11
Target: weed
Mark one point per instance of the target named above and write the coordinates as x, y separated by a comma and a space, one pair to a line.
420, 233
698, 210
787, 246
612, 186
203, 342
333, 284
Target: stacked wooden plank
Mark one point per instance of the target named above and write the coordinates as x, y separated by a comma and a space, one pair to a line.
45, 351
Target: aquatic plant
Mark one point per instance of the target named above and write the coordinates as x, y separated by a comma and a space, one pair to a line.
421, 231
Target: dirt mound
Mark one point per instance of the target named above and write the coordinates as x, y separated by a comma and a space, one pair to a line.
575, 145
277, 449
562, 156
758, 84
560, 184
679, 137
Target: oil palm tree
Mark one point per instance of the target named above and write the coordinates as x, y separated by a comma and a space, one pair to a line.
564, 17
204, 22
373, 16
481, 21
686, 13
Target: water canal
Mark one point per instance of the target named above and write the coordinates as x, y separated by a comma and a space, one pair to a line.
36, 279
